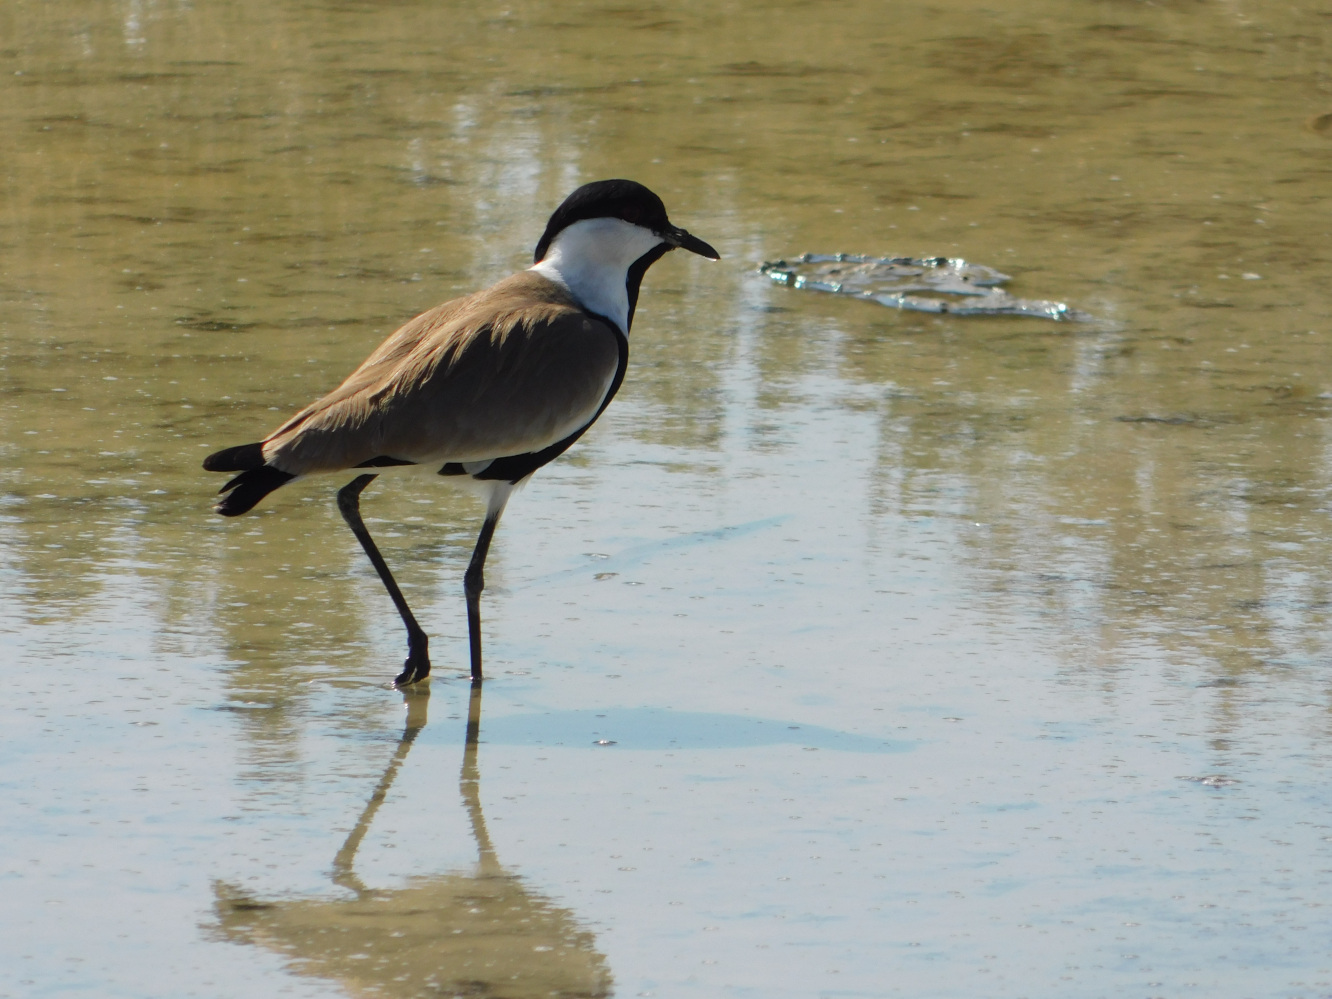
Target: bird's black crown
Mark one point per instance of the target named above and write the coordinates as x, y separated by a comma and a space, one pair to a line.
614, 199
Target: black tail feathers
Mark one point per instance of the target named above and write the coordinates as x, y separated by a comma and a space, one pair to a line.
236, 459
248, 488
256, 479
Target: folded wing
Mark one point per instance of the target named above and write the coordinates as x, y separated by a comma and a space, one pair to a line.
507, 371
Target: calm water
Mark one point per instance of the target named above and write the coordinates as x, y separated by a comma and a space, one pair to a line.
910, 639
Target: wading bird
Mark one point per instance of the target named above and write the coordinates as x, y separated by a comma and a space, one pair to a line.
489, 387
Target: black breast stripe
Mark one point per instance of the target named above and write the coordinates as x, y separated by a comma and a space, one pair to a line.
634, 279
520, 466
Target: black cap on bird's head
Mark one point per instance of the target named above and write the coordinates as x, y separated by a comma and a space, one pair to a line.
620, 199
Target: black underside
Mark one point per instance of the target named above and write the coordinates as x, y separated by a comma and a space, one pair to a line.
383, 461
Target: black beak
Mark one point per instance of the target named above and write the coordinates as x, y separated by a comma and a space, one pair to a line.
678, 237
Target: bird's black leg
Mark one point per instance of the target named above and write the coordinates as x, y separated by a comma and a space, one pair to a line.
417, 666
474, 581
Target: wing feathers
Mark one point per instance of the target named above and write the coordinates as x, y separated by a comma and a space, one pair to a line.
507, 371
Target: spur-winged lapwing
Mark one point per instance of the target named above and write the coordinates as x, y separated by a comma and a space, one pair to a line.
491, 386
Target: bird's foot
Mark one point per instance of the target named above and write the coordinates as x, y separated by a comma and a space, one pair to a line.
416, 667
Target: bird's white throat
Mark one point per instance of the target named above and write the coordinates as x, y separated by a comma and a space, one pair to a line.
592, 259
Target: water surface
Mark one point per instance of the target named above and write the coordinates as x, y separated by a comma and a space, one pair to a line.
854, 652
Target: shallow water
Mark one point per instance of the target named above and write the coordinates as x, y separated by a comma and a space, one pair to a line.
854, 653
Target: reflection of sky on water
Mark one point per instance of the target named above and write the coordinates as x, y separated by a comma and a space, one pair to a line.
658, 729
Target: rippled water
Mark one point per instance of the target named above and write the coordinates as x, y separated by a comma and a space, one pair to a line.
854, 653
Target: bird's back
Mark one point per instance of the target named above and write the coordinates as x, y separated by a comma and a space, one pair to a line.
508, 370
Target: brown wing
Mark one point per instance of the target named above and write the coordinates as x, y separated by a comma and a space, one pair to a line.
506, 371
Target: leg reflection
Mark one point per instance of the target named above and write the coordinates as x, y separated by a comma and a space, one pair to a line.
417, 700
477, 932
469, 784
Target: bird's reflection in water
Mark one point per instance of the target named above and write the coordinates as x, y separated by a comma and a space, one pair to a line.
474, 934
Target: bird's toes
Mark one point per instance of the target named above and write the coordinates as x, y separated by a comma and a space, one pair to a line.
410, 676
414, 670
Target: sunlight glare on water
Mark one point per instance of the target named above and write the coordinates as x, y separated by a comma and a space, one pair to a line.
854, 652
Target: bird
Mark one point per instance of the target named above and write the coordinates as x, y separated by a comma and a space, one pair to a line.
484, 389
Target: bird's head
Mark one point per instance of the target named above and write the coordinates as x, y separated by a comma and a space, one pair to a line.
607, 202
602, 239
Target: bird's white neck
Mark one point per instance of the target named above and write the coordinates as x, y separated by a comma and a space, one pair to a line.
592, 259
